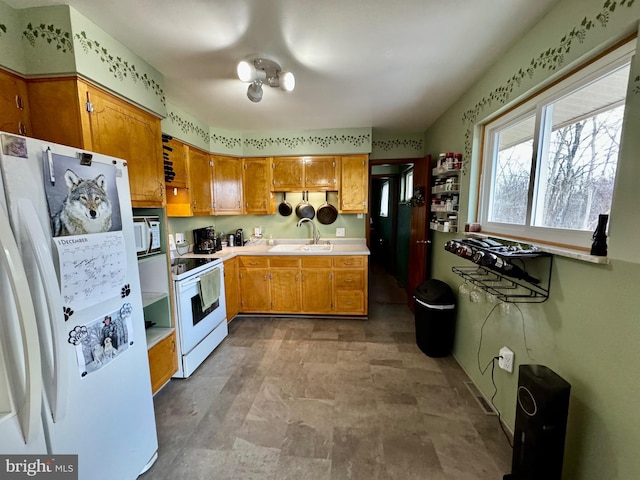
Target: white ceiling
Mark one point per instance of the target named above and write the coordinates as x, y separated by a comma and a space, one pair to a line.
390, 65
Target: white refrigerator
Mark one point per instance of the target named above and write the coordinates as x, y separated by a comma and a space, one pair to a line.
74, 371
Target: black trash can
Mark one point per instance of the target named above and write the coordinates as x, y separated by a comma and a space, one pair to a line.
435, 311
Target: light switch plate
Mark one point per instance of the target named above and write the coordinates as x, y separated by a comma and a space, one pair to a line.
340, 232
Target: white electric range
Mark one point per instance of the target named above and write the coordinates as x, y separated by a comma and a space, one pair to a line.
199, 331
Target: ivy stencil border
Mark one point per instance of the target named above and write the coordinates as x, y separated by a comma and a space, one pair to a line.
118, 67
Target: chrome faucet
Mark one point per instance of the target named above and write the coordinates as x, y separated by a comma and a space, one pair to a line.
316, 234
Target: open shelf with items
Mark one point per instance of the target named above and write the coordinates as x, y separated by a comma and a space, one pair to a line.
157, 306
496, 271
445, 193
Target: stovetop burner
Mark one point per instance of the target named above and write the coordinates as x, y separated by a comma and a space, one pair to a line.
181, 266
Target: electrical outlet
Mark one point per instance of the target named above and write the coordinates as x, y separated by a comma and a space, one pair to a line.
360, 216
340, 232
179, 238
505, 362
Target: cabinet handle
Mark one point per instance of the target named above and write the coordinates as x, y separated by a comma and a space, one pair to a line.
265, 277
348, 280
19, 104
22, 128
173, 345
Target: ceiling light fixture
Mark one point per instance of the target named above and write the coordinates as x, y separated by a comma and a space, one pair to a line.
261, 71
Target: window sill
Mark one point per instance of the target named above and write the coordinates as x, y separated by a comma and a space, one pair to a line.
554, 250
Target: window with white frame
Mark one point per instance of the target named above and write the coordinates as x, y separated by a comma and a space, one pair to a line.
406, 185
549, 165
384, 199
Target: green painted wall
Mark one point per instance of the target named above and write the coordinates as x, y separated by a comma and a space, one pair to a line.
11, 52
308, 142
277, 225
47, 40
179, 124
390, 145
587, 330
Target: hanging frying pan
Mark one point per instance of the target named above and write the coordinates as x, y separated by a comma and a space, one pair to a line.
304, 209
327, 213
285, 207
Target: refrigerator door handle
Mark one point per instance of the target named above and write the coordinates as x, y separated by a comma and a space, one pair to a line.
29, 412
54, 379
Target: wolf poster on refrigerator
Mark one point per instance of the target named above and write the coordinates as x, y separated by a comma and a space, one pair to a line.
82, 199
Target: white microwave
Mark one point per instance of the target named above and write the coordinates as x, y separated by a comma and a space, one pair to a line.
146, 231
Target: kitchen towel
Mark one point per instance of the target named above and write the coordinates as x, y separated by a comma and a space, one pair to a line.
209, 286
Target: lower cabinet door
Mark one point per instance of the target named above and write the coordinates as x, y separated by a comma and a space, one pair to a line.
254, 290
285, 290
163, 361
317, 288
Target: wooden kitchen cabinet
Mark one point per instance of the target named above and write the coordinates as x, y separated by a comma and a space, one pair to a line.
354, 184
163, 361
14, 105
350, 284
227, 185
231, 288
284, 276
314, 284
288, 174
256, 186
316, 173
200, 182
320, 173
317, 285
255, 295
98, 121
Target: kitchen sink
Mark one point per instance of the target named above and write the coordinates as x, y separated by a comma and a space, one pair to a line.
285, 247
317, 248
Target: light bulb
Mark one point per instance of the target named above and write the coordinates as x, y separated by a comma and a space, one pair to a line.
246, 71
287, 81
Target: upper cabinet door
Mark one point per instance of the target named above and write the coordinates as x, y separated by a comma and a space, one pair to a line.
256, 186
200, 182
354, 183
227, 185
288, 174
177, 153
320, 173
14, 107
121, 130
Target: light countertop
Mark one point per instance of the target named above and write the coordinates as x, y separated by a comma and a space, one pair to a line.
346, 246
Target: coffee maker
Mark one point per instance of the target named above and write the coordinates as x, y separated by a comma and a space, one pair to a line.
204, 240
239, 240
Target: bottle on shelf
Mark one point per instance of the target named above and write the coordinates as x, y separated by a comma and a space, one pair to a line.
494, 262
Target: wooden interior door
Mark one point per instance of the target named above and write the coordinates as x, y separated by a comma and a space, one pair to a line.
419, 237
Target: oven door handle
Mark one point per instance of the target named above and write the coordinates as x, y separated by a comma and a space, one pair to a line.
187, 283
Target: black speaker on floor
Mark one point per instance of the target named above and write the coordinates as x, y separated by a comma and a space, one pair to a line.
541, 424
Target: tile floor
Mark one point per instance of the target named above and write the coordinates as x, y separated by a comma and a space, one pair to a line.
302, 398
